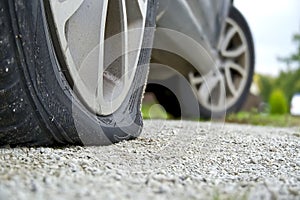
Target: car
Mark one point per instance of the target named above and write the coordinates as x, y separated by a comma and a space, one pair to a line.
73, 72
295, 105
203, 58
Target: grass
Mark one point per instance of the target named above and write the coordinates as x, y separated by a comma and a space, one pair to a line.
152, 110
155, 111
264, 119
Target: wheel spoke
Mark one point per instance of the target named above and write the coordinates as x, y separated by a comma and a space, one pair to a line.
195, 80
102, 64
225, 48
222, 100
126, 48
205, 90
62, 11
238, 68
234, 53
227, 39
143, 7
112, 48
229, 81
222, 95
136, 17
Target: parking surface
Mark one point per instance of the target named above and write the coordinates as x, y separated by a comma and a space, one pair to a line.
171, 160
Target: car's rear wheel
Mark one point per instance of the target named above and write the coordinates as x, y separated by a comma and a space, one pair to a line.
73, 72
225, 89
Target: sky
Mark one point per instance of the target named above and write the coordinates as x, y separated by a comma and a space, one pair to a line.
273, 23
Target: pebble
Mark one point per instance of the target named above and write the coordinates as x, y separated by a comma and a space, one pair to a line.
166, 162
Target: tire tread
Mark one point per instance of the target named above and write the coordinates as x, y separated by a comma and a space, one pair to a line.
18, 123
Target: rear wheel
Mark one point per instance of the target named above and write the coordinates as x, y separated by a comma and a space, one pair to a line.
225, 89
73, 72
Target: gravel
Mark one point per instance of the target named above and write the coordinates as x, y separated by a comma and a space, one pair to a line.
171, 160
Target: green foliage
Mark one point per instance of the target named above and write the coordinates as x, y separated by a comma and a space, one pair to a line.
295, 57
288, 80
265, 84
255, 118
278, 103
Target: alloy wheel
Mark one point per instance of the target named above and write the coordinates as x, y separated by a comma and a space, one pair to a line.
101, 42
222, 87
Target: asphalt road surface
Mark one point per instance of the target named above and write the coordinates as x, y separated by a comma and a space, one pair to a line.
171, 160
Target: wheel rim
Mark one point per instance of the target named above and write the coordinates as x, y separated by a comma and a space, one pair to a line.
223, 86
101, 42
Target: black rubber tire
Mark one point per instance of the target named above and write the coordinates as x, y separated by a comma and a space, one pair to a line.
37, 104
236, 16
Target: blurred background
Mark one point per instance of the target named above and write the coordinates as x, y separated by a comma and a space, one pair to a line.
274, 97
273, 25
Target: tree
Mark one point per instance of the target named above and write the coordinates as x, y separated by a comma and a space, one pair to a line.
289, 80
278, 102
295, 57
265, 84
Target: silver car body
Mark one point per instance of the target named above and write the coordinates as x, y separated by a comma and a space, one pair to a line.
190, 29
